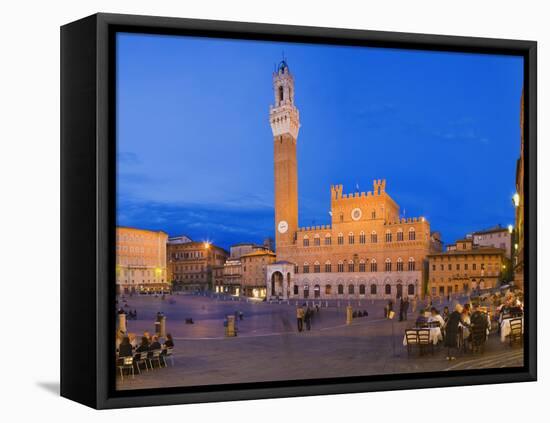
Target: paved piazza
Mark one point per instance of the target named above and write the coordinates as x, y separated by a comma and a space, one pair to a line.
269, 348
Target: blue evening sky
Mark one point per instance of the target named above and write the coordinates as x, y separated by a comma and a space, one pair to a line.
195, 152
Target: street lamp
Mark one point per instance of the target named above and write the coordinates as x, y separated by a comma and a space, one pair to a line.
510, 228
515, 199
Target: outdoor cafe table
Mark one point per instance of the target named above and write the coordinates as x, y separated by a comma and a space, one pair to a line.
435, 335
505, 328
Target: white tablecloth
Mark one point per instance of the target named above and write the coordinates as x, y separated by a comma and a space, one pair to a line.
505, 328
435, 336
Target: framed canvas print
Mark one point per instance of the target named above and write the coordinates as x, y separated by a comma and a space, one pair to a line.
257, 211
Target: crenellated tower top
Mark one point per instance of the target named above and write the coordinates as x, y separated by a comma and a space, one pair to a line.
283, 114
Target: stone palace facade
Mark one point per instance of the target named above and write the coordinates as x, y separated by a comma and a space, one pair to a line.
367, 251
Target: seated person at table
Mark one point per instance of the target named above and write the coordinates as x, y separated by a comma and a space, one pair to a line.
479, 319
155, 345
144, 346
125, 348
421, 320
436, 317
445, 313
169, 343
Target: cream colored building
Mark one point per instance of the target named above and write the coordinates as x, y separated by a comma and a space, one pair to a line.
141, 261
367, 250
465, 267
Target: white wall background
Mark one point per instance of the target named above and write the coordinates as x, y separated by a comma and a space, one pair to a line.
29, 167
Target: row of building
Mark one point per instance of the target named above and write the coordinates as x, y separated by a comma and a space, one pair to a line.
153, 262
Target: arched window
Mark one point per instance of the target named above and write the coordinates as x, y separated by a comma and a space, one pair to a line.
373, 214
295, 289
373, 289
373, 266
410, 289
306, 291
361, 289
399, 264
328, 267
411, 264
316, 240
351, 266
351, 289
280, 93
400, 234
340, 289
351, 238
316, 291
412, 234
388, 236
373, 237
328, 239
362, 238
316, 267
388, 289
387, 265
306, 241
328, 289
362, 265
340, 266
306, 267
340, 239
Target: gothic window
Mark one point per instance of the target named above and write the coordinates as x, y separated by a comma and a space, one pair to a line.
306, 268
316, 267
373, 237
388, 236
411, 264
373, 266
296, 268
306, 241
388, 289
328, 239
412, 234
373, 289
316, 240
410, 289
351, 238
387, 265
362, 238
351, 289
373, 214
351, 266
362, 266
400, 234
340, 289
328, 267
328, 290
361, 289
340, 267
295, 289
340, 239
399, 264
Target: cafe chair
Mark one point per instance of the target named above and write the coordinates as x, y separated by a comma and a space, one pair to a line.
411, 336
141, 358
516, 331
125, 363
424, 341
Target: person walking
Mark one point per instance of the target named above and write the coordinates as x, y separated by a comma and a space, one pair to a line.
307, 318
405, 308
415, 299
300, 318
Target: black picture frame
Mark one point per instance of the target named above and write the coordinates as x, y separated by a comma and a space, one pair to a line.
88, 209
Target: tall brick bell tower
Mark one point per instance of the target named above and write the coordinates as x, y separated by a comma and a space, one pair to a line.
285, 124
